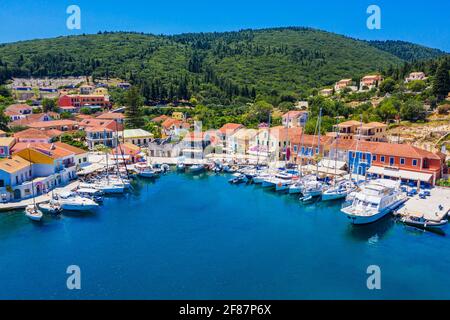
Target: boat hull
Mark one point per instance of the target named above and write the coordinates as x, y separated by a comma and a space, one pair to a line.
333, 196
360, 220
73, 207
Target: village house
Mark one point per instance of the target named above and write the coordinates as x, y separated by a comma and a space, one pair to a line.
227, 130
86, 89
138, 137
100, 91
327, 92
79, 101
119, 118
60, 125
6, 144
18, 111
14, 171
415, 76
178, 115
127, 153
32, 135
369, 82
295, 118
174, 127
80, 156
344, 83
160, 119
197, 144
240, 141
25, 120
42, 166
308, 149
352, 129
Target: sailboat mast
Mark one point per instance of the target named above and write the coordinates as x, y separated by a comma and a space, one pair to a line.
318, 139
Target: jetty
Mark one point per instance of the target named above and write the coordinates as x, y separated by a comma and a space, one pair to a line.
434, 207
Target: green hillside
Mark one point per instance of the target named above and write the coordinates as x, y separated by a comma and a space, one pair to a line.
210, 66
407, 51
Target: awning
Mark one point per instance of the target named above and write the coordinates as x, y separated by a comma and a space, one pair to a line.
324, 170
329, 163
403, 174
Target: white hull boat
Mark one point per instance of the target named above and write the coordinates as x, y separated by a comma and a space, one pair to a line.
33, 213
51, 207
375, 200
77, 203
340, 191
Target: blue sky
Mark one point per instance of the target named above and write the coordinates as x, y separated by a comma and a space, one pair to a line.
424, 22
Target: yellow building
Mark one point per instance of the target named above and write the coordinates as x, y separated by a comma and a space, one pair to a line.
178, 115
101, 91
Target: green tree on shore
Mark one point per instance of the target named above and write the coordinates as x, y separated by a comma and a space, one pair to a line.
441, 83
133, 109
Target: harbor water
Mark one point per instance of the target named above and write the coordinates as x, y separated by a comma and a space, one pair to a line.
199, 237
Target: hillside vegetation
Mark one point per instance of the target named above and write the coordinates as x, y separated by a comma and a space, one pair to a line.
221, 68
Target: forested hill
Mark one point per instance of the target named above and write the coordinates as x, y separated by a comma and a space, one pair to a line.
407, 51
218, 67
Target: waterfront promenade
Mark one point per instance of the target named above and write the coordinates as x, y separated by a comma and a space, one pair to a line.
434, 208
39, 199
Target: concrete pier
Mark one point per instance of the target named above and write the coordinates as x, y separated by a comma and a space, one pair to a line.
435, 207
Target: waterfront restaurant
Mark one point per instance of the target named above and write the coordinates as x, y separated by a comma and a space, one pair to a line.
397, 161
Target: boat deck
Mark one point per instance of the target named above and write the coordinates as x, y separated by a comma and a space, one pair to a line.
429, 207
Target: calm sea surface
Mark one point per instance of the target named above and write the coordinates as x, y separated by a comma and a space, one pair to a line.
185, 237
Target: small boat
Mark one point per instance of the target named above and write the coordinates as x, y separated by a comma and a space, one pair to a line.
307, 198
33, 213
146, 171
196, 168
51, 207
421, 222
239, 179
339, 191
299, 185
91, 193
314, 188
181, 167
73, 202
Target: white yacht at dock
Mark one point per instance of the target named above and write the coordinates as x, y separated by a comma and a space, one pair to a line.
375, 199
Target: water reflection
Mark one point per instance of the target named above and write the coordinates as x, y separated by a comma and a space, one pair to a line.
372, 232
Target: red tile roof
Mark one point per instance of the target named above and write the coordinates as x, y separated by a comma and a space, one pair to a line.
229, 128
160, 118
385, 148
111, 115
31, 133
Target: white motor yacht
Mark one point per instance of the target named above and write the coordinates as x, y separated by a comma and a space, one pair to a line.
376, 199
73, 202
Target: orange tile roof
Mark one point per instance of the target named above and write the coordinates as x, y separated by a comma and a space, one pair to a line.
52, 123
13, 164
18, 107
49, 149
70, 148
31, 133
111, 115
160, 118
385, 148
230, 128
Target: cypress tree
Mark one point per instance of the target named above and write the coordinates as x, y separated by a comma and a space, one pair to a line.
441, 84
133, 109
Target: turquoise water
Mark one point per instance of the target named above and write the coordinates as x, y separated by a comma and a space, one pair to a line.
186, 237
